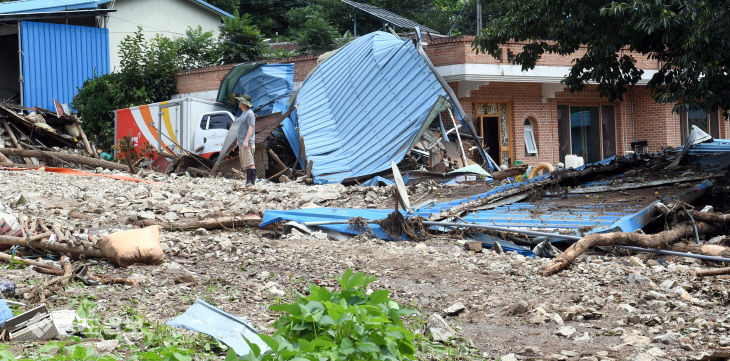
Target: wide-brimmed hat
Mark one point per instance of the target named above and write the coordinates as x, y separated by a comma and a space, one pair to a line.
244, 99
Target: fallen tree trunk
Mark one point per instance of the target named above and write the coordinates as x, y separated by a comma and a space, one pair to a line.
710, 217
659, 240
70, 158
217, 223
706, 249
712, 272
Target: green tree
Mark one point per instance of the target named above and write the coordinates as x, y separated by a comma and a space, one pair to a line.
241, 40
147, 75
198, 49
687, 37
312, 31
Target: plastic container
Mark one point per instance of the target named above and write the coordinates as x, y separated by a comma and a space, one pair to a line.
573, 161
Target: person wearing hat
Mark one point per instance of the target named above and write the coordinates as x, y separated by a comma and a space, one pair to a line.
246, 138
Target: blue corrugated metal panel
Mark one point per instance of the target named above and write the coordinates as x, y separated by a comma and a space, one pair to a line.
58, 58
42, 6
716, 146
362, 108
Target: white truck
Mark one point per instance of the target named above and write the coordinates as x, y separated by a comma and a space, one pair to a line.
185, 124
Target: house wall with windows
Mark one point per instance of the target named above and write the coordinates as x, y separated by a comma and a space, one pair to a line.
504, 101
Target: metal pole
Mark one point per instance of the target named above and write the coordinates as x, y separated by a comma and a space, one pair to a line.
354, 22
20, 63
479, 17
458, 138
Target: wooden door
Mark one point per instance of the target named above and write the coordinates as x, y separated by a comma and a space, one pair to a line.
502, 112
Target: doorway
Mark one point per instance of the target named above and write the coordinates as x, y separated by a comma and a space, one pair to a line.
490, 135
495, 130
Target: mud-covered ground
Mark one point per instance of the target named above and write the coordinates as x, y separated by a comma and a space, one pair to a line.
604, 307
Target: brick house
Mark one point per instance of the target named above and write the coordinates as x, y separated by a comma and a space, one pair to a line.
529, 116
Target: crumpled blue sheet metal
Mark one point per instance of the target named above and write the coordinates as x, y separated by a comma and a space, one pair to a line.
205, 318
269, 85
363, 107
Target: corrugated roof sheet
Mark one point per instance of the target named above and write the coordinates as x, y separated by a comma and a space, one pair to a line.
38, 6
362, 108
44, 6
389, 17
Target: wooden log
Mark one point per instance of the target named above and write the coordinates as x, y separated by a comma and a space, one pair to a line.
277, 160
659, 240
217, 223
51, 269
22, 241
70, 158
108, 280
706, 249
710, 217
277, 175
86, 141
712, 272
195, 172
15, 141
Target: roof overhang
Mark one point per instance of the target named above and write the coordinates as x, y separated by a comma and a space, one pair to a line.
212, 8
513, 73
54, 14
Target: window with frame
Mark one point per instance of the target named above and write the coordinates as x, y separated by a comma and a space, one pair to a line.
587, 131
707, 121
530, 144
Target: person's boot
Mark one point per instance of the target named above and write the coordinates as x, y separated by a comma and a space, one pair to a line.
253, 176
248, 177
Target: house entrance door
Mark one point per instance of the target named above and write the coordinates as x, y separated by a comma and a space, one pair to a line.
495, 129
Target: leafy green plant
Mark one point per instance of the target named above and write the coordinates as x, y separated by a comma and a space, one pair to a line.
349, 324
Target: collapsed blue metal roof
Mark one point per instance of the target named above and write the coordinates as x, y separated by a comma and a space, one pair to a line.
363, 107
43, 6
574, 217
269, 86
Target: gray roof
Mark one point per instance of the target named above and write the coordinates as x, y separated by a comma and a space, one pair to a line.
389, 17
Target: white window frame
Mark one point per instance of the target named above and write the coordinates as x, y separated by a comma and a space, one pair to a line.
530, 143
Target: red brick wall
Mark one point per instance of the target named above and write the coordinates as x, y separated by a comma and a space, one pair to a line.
653, 122
205, 79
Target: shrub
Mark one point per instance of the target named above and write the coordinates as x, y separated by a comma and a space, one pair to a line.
349, 324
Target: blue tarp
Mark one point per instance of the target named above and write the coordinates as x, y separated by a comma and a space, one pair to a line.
362, 108
205, 318
269, 85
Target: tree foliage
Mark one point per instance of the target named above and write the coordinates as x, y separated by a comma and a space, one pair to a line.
147, 75
688, 38
311, 29
242, 41
198, 49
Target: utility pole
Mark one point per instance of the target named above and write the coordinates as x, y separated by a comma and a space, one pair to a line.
354, 22
479, 17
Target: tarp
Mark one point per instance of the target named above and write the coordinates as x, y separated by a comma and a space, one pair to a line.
205, 318
362, 108
267, 84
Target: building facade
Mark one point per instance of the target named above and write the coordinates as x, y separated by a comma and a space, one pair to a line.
529, 116
169, 18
